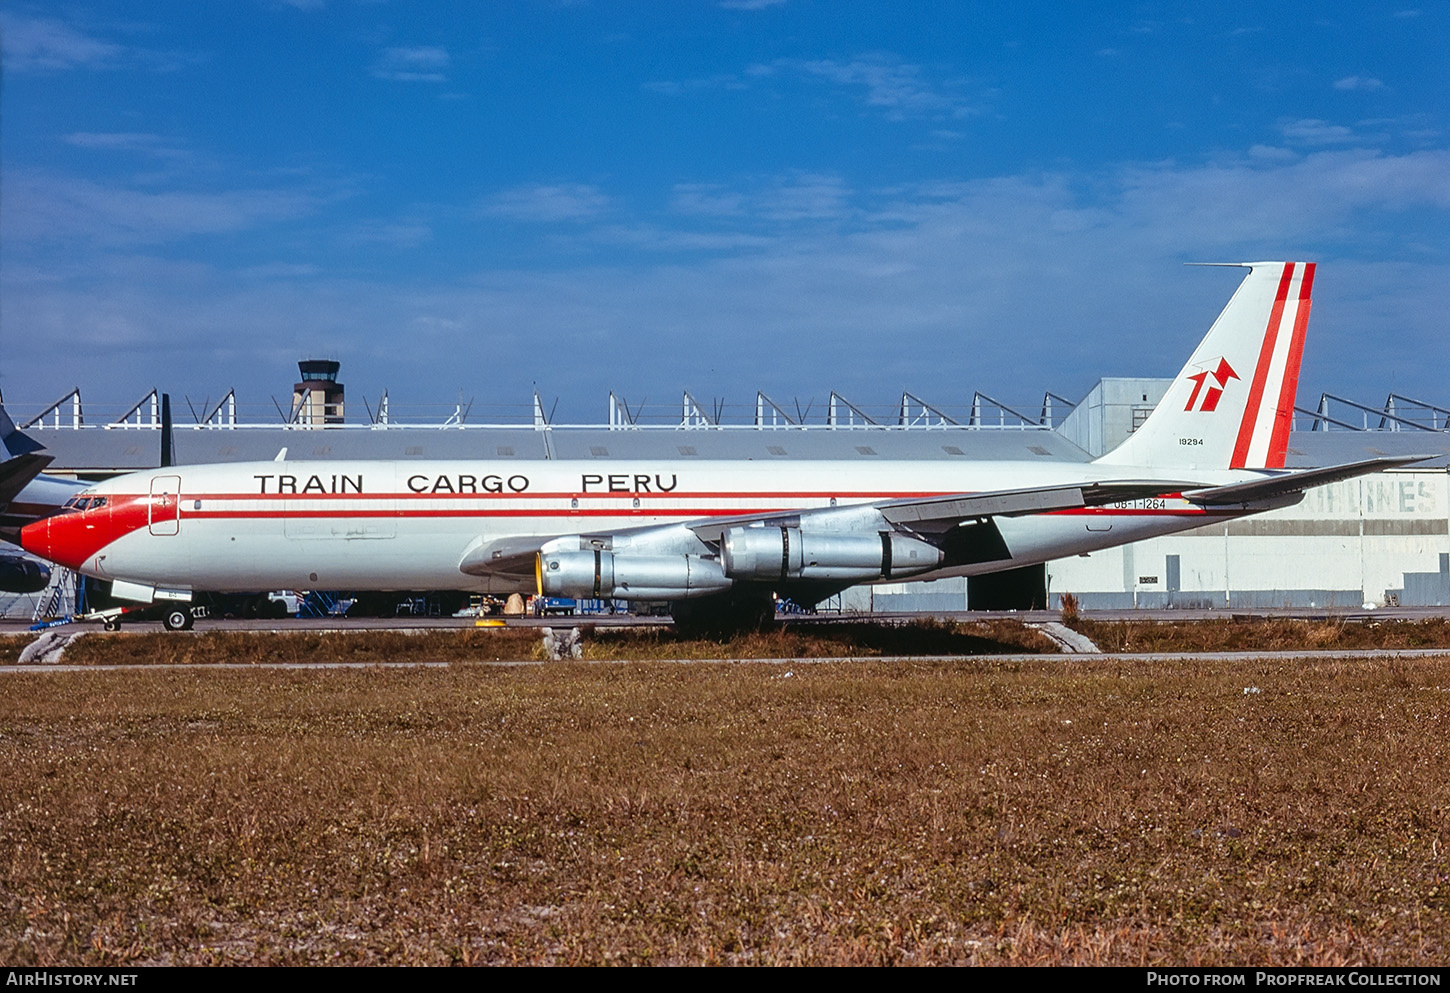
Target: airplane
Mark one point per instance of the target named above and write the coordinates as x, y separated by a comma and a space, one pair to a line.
717, 539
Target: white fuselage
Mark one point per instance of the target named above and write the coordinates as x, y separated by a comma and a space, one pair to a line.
377, 525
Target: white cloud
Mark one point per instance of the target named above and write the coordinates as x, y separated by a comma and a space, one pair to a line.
394, 234
1272, 153
674, 88
1315, 132
548, 204
750, 4
784, 199
134, 143
117, 141
1366, 83
898, 89
652, 238
706, 199
43, 209
47, 44
281, 270
38, 44
804, 198
415, 64
1011, 285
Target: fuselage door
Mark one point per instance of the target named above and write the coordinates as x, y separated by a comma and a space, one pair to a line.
164, 510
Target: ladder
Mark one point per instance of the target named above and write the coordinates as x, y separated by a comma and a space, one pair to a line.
58, 595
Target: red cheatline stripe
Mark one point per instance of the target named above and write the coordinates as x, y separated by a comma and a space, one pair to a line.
1261, 372
1284, 416
554, 495
684, 514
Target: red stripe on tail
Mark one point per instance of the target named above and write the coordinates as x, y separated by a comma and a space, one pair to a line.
1261, 372
1284, 416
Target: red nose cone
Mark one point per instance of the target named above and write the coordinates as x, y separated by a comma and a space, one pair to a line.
35, 539
72, 539
66, 539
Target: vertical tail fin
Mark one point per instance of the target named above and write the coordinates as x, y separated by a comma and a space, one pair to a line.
12, 439
1232, 405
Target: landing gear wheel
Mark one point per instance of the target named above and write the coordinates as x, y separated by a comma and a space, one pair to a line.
111, 624
178, 619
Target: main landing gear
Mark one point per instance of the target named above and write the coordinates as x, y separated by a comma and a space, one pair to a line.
178, 619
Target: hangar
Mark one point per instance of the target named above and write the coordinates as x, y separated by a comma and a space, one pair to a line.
1382, 539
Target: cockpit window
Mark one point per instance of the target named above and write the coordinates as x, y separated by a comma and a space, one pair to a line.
82, 503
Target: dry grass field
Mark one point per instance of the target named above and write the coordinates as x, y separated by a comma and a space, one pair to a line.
1272, 634
849, 640
949, 811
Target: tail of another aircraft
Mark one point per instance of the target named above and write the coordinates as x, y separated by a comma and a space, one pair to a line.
1232, 404
12, 439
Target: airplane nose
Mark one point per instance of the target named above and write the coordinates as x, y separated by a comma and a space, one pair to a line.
35, 539
55, 539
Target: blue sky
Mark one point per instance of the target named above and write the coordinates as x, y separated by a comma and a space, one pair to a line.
479, 199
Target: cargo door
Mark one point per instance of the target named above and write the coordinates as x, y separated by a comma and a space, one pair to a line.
164, 508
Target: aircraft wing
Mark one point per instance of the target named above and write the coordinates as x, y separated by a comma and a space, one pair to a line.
939, 513
936, 514
929, 516
936, 517
1283, 484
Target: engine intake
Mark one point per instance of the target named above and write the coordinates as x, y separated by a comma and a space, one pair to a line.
776, 554
585, 574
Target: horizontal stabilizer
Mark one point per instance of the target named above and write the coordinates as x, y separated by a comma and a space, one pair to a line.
1296, 482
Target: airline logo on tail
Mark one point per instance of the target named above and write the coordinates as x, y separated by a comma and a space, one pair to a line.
1220, 375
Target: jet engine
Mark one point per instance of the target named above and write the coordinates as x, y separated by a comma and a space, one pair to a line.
776, 554
586, 574
21, 575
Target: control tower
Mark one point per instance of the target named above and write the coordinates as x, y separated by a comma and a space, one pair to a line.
317, 400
